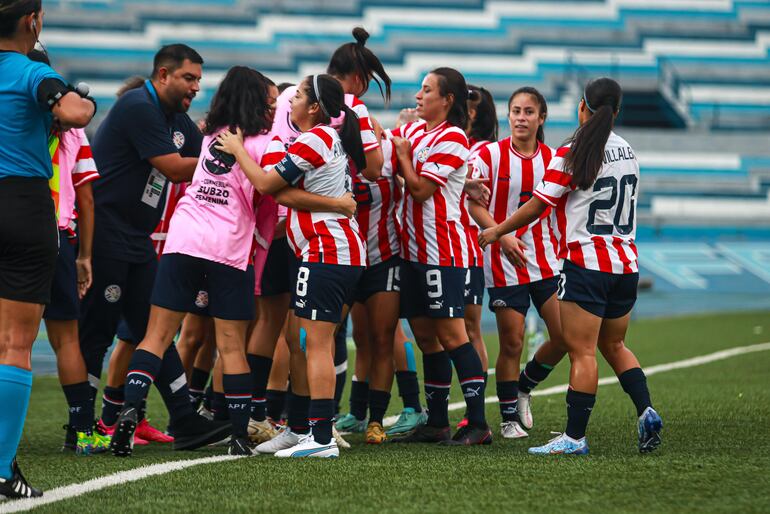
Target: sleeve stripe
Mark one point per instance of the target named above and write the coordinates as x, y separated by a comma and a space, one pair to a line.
80, 179
547, 199
441, 181
306, 153
371, 146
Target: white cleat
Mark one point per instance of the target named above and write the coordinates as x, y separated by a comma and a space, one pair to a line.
342, 443
512, 430
525, 410
285, 439
307, 447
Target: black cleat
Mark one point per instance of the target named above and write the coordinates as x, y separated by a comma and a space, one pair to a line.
470, 435
195, 431
17, 486
70, 439
425, 434
122, 444
241, 446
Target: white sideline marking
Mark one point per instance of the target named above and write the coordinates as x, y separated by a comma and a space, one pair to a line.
132, 475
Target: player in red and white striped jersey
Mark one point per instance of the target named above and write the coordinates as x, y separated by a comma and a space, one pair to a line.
481, 129
432, 157
514, 167
592, 184
330, 247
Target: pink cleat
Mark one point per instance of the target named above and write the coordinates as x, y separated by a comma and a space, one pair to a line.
149, 433
108, 430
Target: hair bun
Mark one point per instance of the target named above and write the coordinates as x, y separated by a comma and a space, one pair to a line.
361, 35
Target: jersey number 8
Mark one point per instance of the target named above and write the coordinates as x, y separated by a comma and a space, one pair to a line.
303, 274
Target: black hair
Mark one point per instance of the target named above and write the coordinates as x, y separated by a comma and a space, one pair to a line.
331, 99
11, 11
171, 57
484, 126
242, 100
283, 86
540, 100
602, 98
133, 82
39, 56
452, 82
356, 58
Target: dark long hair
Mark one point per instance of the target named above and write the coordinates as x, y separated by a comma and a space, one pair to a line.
540, 99
356, 58
452, 82
11, 11
602, 98
484, 126
242, 100
331, 99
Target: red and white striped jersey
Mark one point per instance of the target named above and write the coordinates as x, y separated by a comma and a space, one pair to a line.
597, 226
174, 193
512, 179
317, 162
431, 232
377, 214
368, 137
475, 254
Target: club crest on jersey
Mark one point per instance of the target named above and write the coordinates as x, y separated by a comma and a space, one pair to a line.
112, 293
422, 155
178, 139
202, 299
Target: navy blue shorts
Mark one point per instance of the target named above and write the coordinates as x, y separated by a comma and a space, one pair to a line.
432, 291
124, 333
474, 286
383, 277
183, 281
322, 290
65, 304
517, 297
276, 277
605, 295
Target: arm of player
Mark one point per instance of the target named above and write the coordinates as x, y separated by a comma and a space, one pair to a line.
374, 157
300, 199
266, 182
419, 187
512, 246
175, 167
522, 217
73, 111
85, 201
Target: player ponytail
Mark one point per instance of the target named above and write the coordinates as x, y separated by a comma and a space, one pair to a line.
357, 59
451, 83
242, 100
327, 92
484, 125
602, 98
540, 100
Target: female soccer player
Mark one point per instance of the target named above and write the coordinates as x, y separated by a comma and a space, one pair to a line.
592, 183
481, 129
514, 166
332, 252
432, 156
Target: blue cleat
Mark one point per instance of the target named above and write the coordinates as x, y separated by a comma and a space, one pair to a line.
649, 427
561, 445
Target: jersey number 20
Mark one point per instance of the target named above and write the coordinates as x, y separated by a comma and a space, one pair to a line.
617, 200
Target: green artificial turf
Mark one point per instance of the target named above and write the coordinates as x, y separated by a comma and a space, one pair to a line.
714, 456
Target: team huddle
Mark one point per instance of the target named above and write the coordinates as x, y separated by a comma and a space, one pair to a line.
230, 256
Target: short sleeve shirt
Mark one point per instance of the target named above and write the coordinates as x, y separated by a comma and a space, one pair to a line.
130, 195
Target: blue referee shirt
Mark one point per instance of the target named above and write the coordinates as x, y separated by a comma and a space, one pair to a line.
24, 121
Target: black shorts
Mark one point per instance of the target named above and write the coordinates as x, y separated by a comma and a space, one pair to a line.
189, 284
383, 277
124, 333
322, 290
276, 277
517, 297
605, 295
432, 291
29, 240
474, 286
65, 304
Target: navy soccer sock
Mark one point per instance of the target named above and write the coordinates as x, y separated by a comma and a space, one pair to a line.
471, 375
142, 372
437, 369
260, 374
112, 403
508, 394
579, 407
198, 380
532, 374
359, 397
378, 404
320, 416
219, 406
81, 409
298, 413
634, 383
238, 396
409, 389
276, 403
172, 385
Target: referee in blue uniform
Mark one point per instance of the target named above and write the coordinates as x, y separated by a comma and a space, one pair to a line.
32, 98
